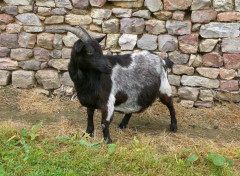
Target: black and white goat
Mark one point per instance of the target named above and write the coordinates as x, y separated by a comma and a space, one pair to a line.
125, 83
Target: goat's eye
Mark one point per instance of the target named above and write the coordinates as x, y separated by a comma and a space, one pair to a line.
89, 53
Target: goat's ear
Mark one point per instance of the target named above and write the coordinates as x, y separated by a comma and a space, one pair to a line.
100, 39
78, 46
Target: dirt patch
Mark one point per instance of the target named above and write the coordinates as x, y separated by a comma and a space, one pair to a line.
212, 129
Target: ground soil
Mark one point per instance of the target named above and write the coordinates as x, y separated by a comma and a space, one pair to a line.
215, 128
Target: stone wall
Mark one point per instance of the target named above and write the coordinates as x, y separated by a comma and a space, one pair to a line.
201, 37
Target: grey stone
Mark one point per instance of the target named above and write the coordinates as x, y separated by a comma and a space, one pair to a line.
34, 29
201, 4
57, 42
59, 64
142, 14
45, 3
41, 54
66, 53
196, 27
13, 28
206, 95
9, 40
27, 40
237, 5
153, 5
8, 64
127, 41
97, 3
4, 52
56, 54
110, 26
218, 30
188, 93
178, 58
132, 25
167, 43
63, 3
81, 4
66, 80
231, 45
182, 69
223, 5
48, 78
199, 81
23, 79
5, 77
18, 2
174, 80
11, 10
21, 54
58, 11
178, 27
30, 65
205, 104
228, 96
147, 42
69, 39
101, 14
29, 19
44, 65
122, 13
207, 45
155, 27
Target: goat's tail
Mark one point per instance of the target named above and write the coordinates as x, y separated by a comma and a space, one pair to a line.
168, 62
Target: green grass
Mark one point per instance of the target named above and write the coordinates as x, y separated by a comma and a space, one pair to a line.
23, 152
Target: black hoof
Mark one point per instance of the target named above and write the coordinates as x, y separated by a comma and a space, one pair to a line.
108, 140
173, 127
122, 126
87, 134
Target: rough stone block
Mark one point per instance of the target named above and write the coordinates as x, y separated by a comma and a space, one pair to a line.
23, 79
101, 14
69, 39
231, 45
5, 19
45, 40
178, 58
8, 64
48, 78
155, 27
110, 26
223, 5
4, 52
231, 61
13, 28
174, 80
73, 19
30, 65
59, 64
63, 3
112, 41
182, 69
201, 4
132, 25
9, 40
213, 60
54, 20
178, 27
207, 45
227, 74
208, 72
177, 4
21, 54
153, 5
188, 93
5, 77
199, 81
122, 13
41, 54
167, 43
203, 16
206, 95
66, 80
29, 19
142, 14
127, 41
188, 43
229, 85
147, 42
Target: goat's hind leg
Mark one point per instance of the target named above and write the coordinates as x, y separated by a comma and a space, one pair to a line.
90, 125
125, 121
168, 101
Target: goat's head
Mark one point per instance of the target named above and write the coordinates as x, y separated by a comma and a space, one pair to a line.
87, 52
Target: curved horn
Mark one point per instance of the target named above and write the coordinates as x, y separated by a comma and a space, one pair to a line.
81, 34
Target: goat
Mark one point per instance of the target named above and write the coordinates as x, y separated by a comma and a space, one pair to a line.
127, 83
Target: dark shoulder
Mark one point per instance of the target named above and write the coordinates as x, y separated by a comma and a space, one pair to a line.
123, 60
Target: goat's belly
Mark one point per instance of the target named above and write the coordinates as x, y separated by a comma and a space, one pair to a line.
128, 107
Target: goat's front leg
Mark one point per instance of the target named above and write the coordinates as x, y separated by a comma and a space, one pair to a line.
107, 115
90, 125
